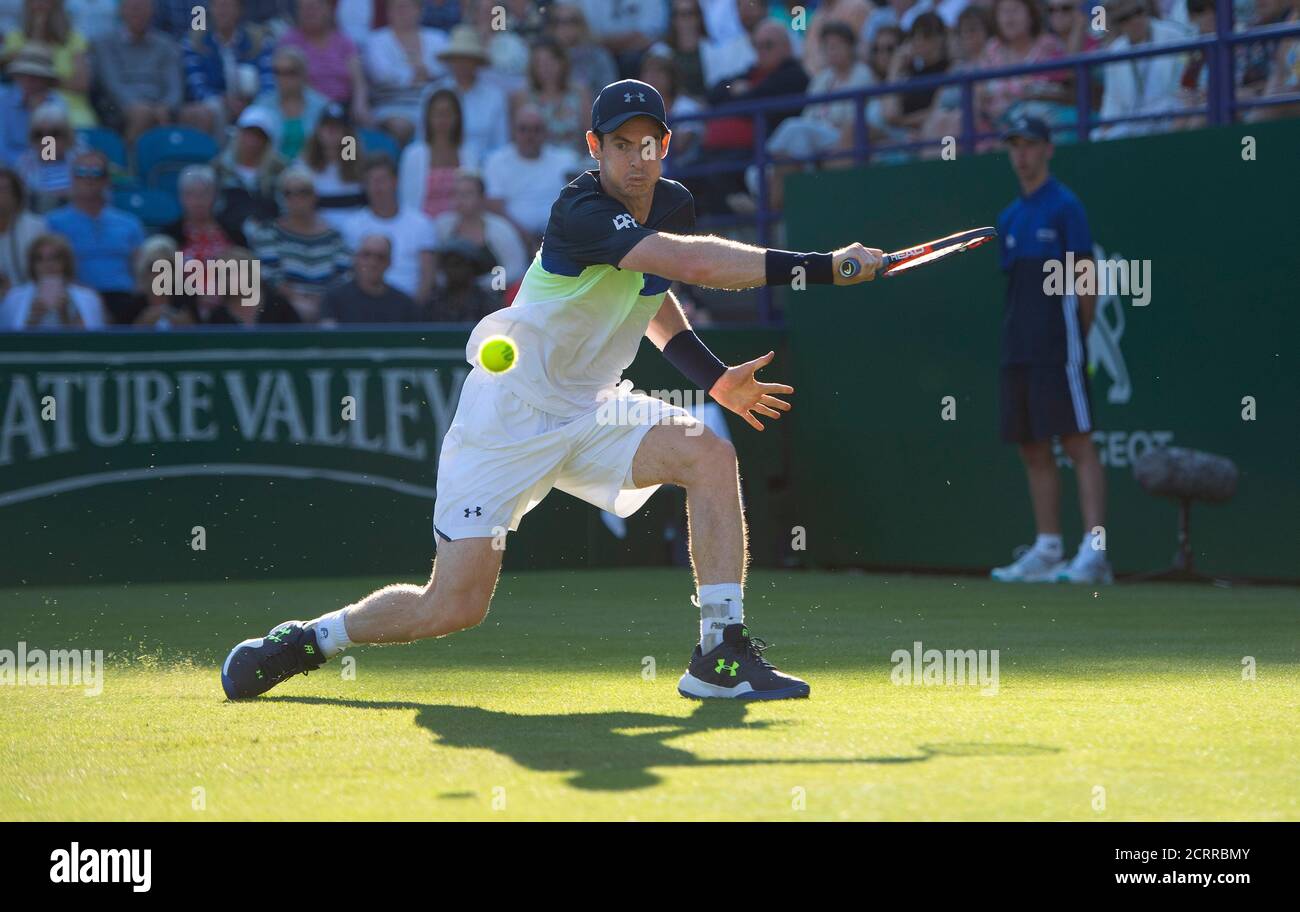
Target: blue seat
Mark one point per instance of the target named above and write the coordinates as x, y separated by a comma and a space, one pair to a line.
377, 142
106, 141
156, 208
162, 152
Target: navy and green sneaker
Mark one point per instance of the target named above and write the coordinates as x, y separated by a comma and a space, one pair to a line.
255, 666
736, 670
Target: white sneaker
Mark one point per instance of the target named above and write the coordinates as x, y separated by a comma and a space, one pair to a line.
1088, 566
1033, 566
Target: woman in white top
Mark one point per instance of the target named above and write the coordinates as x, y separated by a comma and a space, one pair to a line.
51, 299
427, 172
400, 61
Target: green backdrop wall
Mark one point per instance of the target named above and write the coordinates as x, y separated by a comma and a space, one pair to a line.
882, 480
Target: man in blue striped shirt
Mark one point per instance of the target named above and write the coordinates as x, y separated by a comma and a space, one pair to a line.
1044, 384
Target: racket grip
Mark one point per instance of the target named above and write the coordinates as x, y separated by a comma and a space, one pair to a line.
849, 268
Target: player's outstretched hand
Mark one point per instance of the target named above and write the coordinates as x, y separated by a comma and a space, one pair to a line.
868, 260
741, 392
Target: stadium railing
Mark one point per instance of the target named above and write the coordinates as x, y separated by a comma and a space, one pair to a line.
1222, 107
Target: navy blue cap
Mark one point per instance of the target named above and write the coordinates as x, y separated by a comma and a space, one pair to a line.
1028, 128
620, 101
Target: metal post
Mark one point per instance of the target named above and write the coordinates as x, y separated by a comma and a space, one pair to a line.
1223, 79
968, 117
861, 139
1083, 100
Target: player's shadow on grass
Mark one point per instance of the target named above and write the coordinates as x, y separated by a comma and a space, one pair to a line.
617, 751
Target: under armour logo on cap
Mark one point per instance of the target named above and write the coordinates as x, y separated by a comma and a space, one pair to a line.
620, 101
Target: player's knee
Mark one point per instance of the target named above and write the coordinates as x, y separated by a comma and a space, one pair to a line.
446, 607
714, 460
467, 610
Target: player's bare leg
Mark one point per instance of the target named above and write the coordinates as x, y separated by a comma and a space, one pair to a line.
1089, 564
705, 465
456, 597
727, 663
1042, 562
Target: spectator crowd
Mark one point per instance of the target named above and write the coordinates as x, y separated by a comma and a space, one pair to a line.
396, 160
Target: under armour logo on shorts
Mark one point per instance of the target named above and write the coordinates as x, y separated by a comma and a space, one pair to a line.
478, 511
627, 97
624, 221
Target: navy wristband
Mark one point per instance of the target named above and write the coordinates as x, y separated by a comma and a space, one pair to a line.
781, 264
688, 353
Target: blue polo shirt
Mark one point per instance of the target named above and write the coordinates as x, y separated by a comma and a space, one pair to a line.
1046, 225
102, 246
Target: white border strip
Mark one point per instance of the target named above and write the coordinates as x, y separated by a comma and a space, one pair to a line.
1074, 362
82, 482
235, 354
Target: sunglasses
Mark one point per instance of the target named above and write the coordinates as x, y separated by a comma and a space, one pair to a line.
1053, 10
298, 191
286, 71
92, 173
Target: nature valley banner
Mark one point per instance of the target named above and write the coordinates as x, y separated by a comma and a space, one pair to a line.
77, 419
219, 449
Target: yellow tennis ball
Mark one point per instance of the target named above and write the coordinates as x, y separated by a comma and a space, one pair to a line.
497, 354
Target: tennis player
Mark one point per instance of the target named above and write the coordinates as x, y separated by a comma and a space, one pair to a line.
617, 236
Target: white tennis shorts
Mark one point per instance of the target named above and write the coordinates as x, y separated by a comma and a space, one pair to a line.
501, 456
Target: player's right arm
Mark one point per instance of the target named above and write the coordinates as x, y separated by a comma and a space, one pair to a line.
714, 262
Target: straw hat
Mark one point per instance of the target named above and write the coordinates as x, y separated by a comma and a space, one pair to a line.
464, 42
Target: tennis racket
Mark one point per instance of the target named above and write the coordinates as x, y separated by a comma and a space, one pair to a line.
903, 260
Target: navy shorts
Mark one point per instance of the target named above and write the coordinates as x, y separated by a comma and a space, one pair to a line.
1042, 401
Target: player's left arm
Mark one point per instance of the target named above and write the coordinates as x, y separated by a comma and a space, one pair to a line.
734, 388
667, 322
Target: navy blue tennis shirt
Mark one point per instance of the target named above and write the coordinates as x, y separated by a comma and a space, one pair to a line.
588, 227
1038, 328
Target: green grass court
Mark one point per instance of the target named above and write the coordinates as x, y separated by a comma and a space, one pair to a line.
547, 710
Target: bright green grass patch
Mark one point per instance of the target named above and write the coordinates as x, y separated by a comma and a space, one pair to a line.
548, 710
